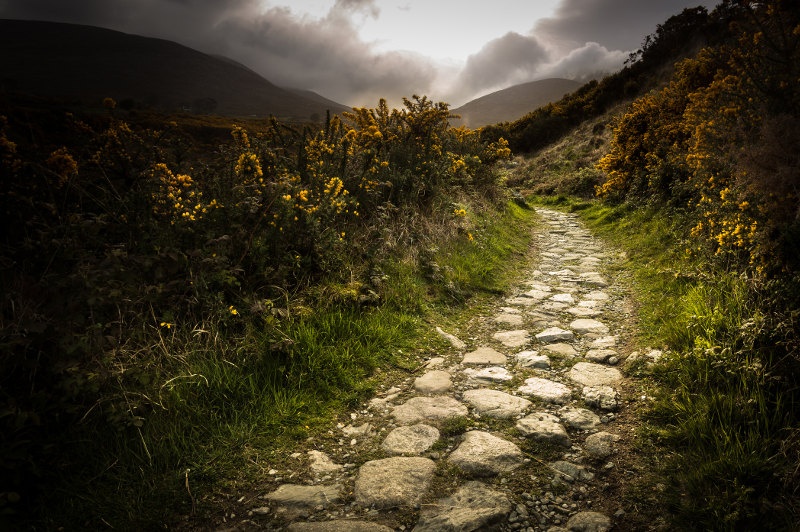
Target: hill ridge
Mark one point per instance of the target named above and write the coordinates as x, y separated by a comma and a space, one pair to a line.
89, 63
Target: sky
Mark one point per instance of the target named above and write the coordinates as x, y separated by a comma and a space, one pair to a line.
357, 51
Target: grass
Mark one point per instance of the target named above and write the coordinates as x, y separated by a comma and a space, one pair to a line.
201, 410
724, 414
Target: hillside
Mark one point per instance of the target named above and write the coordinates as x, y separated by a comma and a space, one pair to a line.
512, 103
85, 64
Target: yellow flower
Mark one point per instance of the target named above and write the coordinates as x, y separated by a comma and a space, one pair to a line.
166, 325
233, 310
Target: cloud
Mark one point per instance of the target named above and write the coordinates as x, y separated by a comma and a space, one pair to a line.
615, 24
502, 62
324, 54
583, 39
588, 62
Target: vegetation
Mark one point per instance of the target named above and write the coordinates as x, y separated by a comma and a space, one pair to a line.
678, 37
700, 187
175, 310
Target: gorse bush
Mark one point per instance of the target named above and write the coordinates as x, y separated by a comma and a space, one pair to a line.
125, 236
721, 139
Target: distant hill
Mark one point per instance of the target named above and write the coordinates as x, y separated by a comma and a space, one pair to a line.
85, 64
512, 103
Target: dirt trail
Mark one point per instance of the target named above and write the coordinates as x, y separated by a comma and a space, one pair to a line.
525, 425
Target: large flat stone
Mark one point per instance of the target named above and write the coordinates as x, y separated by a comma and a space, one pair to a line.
494, 403
516, 338
591, 374
438, 408
296, 498
393, 482
532, 359
589, 522
413, 439
488, 375
546, 390
563, 297
484, 356
507, 318
560, 349
579, 418
481, 454
545, 427
434, 382
474, 506
586, 326
554, 334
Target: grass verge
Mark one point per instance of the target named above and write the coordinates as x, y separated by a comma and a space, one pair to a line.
724, 424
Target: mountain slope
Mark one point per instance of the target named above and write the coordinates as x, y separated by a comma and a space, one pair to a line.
512, 103
87, 64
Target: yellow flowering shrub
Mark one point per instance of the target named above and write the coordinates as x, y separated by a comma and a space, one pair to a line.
722, 139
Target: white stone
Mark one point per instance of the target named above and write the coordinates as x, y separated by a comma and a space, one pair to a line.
295, 498
454, 341
579, 418
602, 397
393, 482
435, 362
433, 382
545, 427
321, 464
584, 312
553, 334
484, 356
597, 295
591, 374
600, 355
532, 359
508, 318
563, 298
494, 403
481, 454
488, 375
546, 390
585, 326
605, 341
560, 349
589, 522
572, 471
593, 279
413, 439
436, 408
516, 338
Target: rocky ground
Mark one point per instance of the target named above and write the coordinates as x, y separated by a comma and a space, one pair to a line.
527, 424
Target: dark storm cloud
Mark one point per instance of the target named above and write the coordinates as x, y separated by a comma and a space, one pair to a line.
614, 24
324, 54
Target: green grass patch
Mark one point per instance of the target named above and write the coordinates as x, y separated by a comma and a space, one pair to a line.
724, 415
